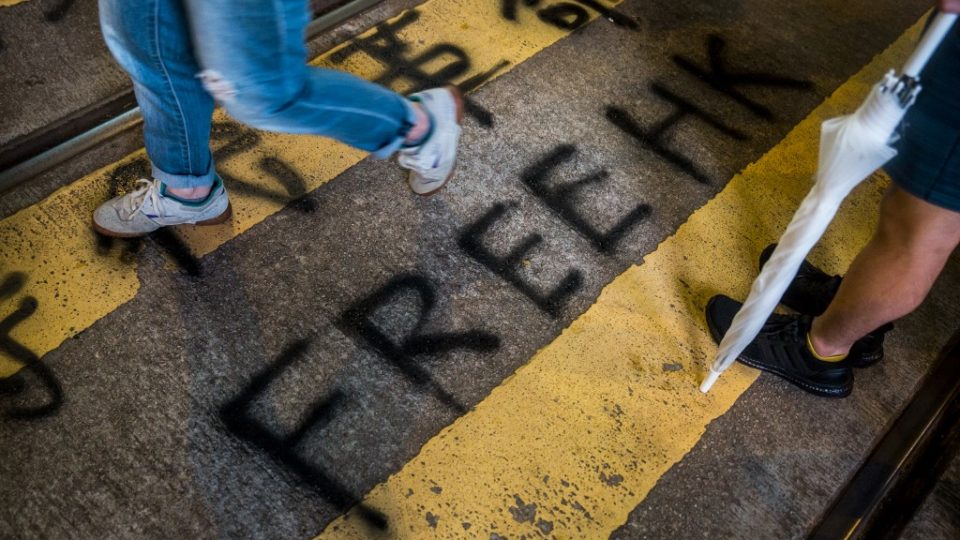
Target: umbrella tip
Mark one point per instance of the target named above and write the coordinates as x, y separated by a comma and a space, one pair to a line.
711, 378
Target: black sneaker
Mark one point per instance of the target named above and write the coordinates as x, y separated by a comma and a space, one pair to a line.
811, 291
781, 349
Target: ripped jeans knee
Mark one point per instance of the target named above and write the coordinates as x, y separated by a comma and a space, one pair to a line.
261, 105
222, 90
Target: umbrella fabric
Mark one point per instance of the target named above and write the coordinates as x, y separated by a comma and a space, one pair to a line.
851, 148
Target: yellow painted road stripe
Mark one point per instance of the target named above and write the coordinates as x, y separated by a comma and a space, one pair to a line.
576, 438
53, 245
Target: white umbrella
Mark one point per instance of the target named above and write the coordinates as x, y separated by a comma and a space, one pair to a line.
851, 148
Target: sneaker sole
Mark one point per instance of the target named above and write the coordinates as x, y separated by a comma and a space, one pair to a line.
866, 360
821, 391
224, 216
458, 99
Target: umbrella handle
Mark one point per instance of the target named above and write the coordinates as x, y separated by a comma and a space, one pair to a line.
708, 381
928, 44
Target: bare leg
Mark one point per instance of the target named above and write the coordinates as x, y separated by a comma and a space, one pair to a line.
420, 128
893, 273
189, 193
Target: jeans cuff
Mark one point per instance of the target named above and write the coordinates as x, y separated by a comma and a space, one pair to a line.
183, 181
388, 149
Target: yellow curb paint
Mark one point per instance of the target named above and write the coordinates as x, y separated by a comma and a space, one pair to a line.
577, 437
8, 3
53, 245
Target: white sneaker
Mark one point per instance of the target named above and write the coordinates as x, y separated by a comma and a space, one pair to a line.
147, 209
431, 163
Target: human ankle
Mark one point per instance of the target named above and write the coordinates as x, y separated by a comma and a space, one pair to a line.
824, 351
421, 129
191, 194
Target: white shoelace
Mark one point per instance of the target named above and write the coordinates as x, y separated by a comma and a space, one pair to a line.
132, 202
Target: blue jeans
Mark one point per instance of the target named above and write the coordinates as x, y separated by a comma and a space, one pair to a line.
250, 56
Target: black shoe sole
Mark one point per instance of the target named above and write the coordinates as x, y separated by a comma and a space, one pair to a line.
864, 360
822, 391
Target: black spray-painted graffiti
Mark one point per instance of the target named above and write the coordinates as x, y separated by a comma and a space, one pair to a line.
561, 200
405, 352
283, 447
129, 248
655, 137
720, 78
389, 50
356, 321
32, 364
58, 11
567, 15
234, 139
239, 139
508, 266
54, 14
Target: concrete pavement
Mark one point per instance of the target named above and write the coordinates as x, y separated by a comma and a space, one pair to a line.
345, 341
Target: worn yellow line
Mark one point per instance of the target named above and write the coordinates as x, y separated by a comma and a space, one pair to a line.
8, 3
577, 437
74, 285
